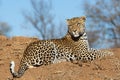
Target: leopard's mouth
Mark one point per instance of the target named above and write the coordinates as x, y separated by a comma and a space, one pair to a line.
77, 35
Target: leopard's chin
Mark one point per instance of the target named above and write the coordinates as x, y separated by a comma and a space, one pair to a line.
76, 36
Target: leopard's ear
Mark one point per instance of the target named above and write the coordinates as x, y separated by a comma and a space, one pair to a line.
83, 18
67, 20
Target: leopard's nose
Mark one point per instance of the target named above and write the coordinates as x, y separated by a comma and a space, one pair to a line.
75, 30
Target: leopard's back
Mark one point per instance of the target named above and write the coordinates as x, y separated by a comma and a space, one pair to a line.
39, 53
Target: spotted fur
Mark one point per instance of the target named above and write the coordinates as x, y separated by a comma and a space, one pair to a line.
73, 47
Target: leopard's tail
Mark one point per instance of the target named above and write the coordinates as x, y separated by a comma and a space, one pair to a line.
20, 72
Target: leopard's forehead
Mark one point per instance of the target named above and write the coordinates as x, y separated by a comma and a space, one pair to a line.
75, 20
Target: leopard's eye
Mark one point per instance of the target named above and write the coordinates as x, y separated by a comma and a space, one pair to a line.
78, 24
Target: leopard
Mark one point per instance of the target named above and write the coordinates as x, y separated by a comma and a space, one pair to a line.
72, 47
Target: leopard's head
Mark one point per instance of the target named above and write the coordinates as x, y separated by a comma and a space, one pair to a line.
76, 26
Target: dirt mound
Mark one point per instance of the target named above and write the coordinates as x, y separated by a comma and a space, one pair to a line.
13, 48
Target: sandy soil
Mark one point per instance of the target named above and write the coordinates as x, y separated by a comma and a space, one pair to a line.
12, 49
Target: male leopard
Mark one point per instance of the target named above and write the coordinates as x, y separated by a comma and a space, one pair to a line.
73, 47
